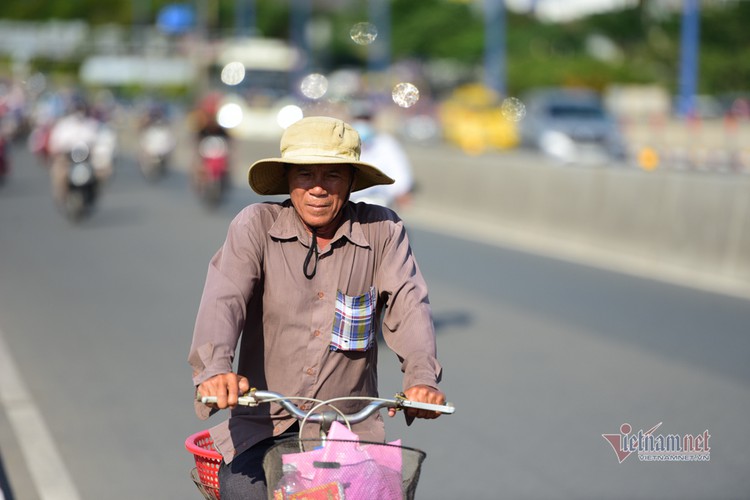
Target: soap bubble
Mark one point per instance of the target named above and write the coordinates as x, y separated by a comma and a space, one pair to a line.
314, 86
513, 109
405, 94
363, 33
233, 73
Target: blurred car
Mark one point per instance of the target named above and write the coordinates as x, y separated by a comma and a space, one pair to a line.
571, 125
736, 105
254, 76
472, 118
704, 107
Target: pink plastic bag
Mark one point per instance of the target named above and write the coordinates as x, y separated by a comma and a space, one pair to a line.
365, 471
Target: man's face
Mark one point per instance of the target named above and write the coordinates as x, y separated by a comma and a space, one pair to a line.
318, 192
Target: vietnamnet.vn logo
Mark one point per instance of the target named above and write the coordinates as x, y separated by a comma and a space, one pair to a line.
652, 447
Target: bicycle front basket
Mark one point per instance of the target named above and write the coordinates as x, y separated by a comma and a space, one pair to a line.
207, 461
355, 470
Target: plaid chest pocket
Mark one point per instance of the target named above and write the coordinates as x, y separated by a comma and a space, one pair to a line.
354, 322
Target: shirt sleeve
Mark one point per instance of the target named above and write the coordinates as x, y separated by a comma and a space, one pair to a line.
233, 273
407, 321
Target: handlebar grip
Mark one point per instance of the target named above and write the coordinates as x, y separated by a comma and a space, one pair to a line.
446, 409
242, 400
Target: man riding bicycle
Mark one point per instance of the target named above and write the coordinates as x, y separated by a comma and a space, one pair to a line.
303, 286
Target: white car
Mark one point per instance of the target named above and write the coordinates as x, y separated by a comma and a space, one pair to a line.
572, 126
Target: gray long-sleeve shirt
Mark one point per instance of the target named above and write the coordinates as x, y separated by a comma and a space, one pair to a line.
256, 294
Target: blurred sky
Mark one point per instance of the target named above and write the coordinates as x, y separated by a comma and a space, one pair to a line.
559, 10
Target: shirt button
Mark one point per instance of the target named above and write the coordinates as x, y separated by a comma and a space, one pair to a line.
321, 295
316, 333
310, 371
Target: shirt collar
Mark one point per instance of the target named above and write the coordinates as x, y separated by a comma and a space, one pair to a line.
288, 226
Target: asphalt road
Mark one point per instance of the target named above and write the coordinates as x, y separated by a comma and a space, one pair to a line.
541, 356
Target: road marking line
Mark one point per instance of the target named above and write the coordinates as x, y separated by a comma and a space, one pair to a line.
45, 465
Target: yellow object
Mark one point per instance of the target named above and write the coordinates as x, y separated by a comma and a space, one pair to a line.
648, 159
472, 119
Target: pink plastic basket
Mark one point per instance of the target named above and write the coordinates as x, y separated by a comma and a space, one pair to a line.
207, 461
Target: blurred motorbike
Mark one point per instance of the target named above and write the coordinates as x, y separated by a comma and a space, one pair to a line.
104, 153
38, 142
82, 185
4, 160
212, 181
157, 142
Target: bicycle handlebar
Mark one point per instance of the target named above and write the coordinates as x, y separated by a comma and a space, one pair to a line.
254, 397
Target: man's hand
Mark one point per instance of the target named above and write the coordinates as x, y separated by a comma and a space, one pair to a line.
422, 394
227, 387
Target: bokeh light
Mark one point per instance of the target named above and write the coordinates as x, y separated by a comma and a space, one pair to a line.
288, 115
363, 33
314, 86
233, 73
229, 115
405, 94
513, 109
79, 152
648, 159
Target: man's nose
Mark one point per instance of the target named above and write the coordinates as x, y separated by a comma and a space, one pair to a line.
317, 188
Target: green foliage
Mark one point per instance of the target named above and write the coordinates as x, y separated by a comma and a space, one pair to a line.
435, 28
273, 19
96, 12
537, 53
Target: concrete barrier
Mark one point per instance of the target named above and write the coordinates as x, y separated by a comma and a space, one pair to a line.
695, 221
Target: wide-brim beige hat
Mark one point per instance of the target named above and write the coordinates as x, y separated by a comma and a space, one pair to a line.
315, 140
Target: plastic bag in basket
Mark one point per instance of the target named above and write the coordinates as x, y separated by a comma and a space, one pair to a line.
364, 471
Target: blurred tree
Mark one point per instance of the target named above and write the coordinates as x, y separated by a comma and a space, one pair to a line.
537, 53
435, 28
117, 11
724, 42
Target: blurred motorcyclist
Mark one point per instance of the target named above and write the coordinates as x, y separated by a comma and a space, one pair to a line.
154, 113
49, 108
205, 120
156, 140
13, 110
205, 124
7, 128
383, 150
4, 159
78, 129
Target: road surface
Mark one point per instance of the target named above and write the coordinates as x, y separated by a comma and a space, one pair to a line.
541, 356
